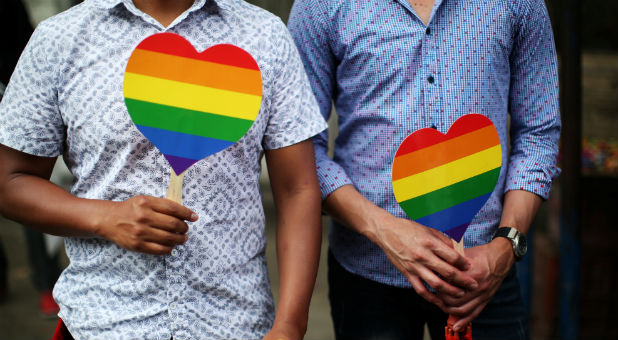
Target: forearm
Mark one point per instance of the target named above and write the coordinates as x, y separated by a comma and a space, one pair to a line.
28, 197
519, 209
299, 236
518, 212
42, 205
141, 223
355, 211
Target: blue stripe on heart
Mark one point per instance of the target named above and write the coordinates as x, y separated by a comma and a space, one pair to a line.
185, 146
455, 216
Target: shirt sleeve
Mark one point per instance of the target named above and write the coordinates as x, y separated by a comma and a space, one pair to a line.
309, 25
533, 103
293, 111
29, 117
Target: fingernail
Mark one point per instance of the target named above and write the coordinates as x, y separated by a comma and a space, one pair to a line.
186, 237
460, 294
194, 217
474, 286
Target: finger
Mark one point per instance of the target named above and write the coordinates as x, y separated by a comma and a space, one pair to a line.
450, 255
167, 223
423, 292
461, 323
453, 302
453, 274
163, 237
153, 248
467, 308
438, 284
443, 238
174, 209
450, 274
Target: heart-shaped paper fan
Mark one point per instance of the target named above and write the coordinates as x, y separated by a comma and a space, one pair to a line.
191, 105
442, 181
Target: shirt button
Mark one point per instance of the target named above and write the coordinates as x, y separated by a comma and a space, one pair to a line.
173, 305
430, 79
428, 31
174, 252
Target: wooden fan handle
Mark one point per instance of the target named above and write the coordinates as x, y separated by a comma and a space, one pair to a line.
174, 191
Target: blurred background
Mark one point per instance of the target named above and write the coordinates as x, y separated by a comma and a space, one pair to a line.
569, 277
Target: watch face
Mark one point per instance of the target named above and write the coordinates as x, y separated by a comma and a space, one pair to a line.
520, 247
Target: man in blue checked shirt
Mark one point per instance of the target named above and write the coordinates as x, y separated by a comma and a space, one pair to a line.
391, 68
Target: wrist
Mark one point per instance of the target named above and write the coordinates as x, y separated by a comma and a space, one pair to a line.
516, 238
292, 328
373, 223
502, 253
99, 212
503, 247
355, 211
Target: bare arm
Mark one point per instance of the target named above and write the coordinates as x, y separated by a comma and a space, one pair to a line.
417, 251
142, 223
299, 232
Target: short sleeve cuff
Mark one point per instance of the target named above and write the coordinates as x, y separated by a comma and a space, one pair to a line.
295, 133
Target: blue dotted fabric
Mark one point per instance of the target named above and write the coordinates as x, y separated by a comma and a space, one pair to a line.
388, 75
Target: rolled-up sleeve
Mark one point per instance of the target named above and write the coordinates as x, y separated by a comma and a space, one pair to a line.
534, 107
309, 25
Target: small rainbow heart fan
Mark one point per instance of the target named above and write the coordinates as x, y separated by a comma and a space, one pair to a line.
442, 181
191, 105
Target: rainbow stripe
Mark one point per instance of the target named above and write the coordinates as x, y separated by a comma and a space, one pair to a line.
189, 104
442, 181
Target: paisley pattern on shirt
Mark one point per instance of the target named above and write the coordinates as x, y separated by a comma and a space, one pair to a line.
65, 97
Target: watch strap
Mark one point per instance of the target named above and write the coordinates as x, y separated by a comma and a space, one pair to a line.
512, 235
507, 232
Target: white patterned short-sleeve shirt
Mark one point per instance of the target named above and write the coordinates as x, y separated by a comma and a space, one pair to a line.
65, 98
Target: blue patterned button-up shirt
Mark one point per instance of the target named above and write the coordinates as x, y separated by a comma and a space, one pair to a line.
389, 75
65, 97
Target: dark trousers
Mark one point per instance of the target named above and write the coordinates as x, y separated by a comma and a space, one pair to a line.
365, 309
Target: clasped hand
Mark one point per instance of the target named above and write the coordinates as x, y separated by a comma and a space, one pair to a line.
425, 255
463, 285
490, 263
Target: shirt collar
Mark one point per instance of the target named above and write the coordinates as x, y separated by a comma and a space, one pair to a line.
108, 4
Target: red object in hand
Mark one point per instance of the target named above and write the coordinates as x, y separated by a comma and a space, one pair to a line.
465, 334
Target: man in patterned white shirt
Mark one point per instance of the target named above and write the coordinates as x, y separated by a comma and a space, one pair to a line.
144, 267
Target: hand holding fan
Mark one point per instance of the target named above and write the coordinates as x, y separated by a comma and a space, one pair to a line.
190, 105
442, 180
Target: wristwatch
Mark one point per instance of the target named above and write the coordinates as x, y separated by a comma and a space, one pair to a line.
517, 239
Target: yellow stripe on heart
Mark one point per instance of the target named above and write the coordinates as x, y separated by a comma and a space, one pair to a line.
447, 174
191, 97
